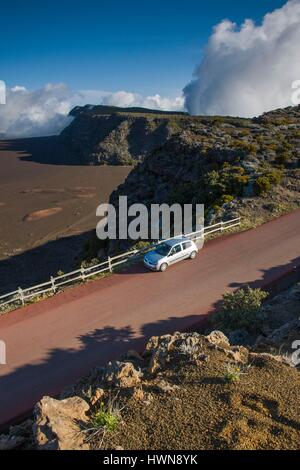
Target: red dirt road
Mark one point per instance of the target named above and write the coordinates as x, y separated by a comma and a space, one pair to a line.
51, 344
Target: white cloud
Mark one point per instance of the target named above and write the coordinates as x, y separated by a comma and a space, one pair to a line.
45, 111
32, 113
121, 98
124, 99
17, 88
157, 102
248, 70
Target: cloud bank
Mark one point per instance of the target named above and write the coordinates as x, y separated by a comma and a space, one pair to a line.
45, 111
40, 112
248, 70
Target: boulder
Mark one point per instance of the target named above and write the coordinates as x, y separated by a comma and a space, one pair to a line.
122, 374
162, 349
59, 424
218, 338
238, 354
279, 340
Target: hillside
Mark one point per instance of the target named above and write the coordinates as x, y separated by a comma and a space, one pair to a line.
233, 166
118, 136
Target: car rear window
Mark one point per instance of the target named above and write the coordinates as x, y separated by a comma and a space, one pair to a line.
186, 245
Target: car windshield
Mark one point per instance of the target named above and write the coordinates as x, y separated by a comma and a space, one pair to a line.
163, 249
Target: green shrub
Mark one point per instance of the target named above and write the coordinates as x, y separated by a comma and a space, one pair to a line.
230, 180
281, 121
269, 178
245, 132
240, 181
105, 419
226, 199
89, 263
232, 374
141, 245
275, 176
217, 209
247, 147
263, 185
241, 309
217, 120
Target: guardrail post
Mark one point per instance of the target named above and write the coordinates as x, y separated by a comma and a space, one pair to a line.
222, 226
82, 270
109, 264
21, 295
53, 284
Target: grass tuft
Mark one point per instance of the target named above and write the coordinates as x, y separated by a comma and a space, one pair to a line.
107, 419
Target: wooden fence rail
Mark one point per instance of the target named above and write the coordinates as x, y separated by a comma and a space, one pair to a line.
20, 296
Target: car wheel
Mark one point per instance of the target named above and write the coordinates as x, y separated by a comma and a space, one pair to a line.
163, 267
193, 255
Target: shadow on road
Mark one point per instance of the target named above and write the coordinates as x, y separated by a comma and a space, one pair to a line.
275, 279
23, 387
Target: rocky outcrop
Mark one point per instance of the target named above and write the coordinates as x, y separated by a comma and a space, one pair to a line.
19, 437
122, 375
118, 136
115, 136
280, 331
59, 424
281, 339
179, 377
218, 338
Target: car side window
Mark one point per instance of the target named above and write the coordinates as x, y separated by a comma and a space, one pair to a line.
186, 245
175, 250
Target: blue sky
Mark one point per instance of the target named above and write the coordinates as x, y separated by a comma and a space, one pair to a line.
144, 47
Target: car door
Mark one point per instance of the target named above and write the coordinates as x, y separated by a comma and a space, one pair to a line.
187, 249
175, 255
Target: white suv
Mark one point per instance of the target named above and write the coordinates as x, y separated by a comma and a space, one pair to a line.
170, 252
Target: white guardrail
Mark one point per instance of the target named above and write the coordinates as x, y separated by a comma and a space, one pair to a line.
20, 296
